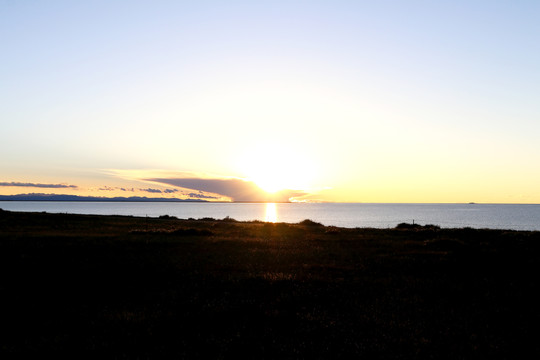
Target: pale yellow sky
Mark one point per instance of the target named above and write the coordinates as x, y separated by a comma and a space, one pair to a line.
332, 101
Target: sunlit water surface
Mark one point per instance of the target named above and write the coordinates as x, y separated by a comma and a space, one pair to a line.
517, 217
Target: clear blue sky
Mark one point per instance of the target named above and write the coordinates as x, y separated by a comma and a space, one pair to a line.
413, 101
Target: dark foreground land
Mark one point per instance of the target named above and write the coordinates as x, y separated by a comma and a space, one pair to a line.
126, 287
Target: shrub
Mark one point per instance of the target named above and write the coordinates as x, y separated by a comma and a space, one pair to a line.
308, 222
407, 226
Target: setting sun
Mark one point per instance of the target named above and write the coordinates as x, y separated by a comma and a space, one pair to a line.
275, 167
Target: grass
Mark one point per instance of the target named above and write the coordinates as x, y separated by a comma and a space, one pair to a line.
127, 287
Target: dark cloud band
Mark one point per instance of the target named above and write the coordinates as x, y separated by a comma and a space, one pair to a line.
36, 185
236, 189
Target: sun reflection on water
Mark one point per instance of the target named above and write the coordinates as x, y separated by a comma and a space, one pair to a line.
271, 213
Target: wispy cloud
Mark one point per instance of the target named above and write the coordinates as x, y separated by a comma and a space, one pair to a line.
37, 185
116, 188
169, 191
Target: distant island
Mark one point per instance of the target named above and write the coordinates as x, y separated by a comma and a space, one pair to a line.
54, 197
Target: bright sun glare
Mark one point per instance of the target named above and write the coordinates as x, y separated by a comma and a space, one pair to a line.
274, 167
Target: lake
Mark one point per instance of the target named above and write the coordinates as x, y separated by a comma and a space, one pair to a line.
494, 216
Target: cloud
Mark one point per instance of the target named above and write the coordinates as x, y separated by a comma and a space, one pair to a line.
155, 191
49, 186
236, 189
208, 186
201, 196
109, 188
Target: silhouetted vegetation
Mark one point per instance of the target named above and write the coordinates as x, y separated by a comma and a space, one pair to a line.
138, 288
229, 219
408, 226
308, 222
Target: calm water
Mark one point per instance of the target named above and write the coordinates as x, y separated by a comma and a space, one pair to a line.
517, 217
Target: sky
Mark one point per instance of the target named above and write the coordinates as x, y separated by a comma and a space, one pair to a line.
341, 101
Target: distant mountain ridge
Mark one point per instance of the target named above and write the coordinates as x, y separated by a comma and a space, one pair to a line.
55, 197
